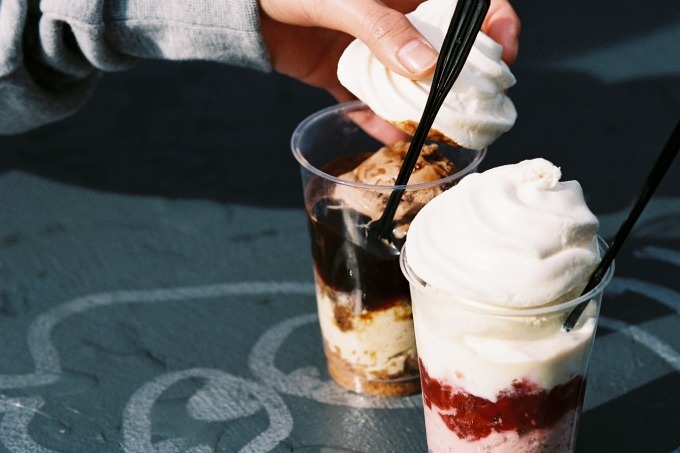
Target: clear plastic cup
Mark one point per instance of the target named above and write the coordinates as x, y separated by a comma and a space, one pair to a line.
501, 380
363, 298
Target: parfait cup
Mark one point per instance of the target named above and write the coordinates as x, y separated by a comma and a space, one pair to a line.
499, 379
363, 299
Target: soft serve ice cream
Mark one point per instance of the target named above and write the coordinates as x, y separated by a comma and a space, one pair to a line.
475, 112
494, 265
528, 232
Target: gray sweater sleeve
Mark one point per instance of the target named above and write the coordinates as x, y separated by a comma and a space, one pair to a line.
51, 51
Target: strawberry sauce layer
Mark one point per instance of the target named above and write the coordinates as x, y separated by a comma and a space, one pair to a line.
522, 407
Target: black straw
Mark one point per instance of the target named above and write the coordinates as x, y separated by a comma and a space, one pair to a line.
655, 176
465, 24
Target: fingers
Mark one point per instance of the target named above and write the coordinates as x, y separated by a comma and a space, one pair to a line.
391, 38
503, 26
377, 128
386, 31
303, 38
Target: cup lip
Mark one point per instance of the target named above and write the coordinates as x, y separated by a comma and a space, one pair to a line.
476, 307
359, 105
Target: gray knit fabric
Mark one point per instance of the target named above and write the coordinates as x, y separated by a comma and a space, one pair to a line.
51, 51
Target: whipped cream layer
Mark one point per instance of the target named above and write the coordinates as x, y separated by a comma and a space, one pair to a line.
476, 110
484, 354
378, 345
514, 236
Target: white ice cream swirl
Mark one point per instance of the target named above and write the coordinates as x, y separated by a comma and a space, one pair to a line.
513, 236
476, 111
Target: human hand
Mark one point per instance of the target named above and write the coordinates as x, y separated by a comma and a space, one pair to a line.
503, 26
306, 37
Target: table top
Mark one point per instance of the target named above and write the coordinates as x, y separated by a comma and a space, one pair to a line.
156, 288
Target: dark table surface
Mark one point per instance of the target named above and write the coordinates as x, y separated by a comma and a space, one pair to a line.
155, 284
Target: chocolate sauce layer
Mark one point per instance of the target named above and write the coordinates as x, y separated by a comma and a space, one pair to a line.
343, 257
344, 261
339, 218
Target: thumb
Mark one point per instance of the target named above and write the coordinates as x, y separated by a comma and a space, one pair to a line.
392, 38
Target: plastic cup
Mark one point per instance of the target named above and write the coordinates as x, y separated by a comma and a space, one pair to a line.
363, 298
501, 380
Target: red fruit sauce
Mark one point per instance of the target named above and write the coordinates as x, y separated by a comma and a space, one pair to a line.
522, 407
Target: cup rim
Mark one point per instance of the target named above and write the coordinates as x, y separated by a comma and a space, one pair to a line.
359, 105
476, 307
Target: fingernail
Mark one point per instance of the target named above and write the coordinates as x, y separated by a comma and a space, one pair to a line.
417, 56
